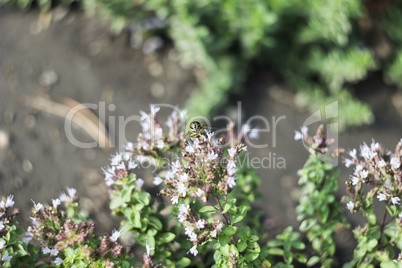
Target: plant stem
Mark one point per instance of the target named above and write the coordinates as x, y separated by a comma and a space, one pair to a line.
383, 225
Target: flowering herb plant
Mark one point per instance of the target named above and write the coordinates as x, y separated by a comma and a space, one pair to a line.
197, 211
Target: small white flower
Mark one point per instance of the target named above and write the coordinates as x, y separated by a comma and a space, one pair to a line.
52, 252
56, 202
358, 169
400, 215
388, 182
148, 248
139, 183
200, 224
382, 163
58, 261
154, 109
254, 134
353, 153
189, 149
304, 130
231, 181
210, 134
350, 205
347, 162
232, 171
132, 164
245, 148
129, 146
121, 166
37, 206
232, 152
231, 164
188, 230
2, 225
34, 221
395, 200
199, 192
212, 156
27, 237
71, 192
364, 174
2, 244
182, 189
1, 214
183, 114
381, 197
374, 145
176, 166
183, 177
158, 133
355, 180
157, 180
126, 156
395, 162
174, 199
183, 208
298, 135
115, 159
109, 181
7, 257
115, 235
193, 237
193, 250
9, 201
214, 233
160, 144
245, 129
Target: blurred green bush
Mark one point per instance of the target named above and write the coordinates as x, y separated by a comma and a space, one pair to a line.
321, 48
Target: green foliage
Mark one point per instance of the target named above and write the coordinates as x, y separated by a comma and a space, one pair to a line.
319, 211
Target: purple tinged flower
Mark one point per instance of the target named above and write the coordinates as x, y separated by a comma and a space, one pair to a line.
196, 143
193, 250
200, 224
157, 180
232, 152
382, 163
115, 235
160, 144
212, 156
58, 261
395, 162
2, 244
366, 152
7, 257
56, 202
381, 197
231, 164
350, 205
34, 222
9, 201
231, 182
188, 230
388, 182
2, 225
37, 206
1, 214
27, 237
176, 166
395, 200
245, 148
52, 252
232, 171
139, 183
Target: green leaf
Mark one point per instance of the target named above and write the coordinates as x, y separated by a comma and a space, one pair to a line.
274, 243
240, 214
233, 249
144, 198
275, 251
224, 239
225, 250
229, 230
253, 238
226, 208
208, 209
116, 202
389, 264
251, 256
241, 245
300, 257
312, 261
125, 195
136, 219
184, 262
155, 222
166, 237
244, 232
372, 244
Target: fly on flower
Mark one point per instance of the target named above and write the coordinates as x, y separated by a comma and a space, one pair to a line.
197, 130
